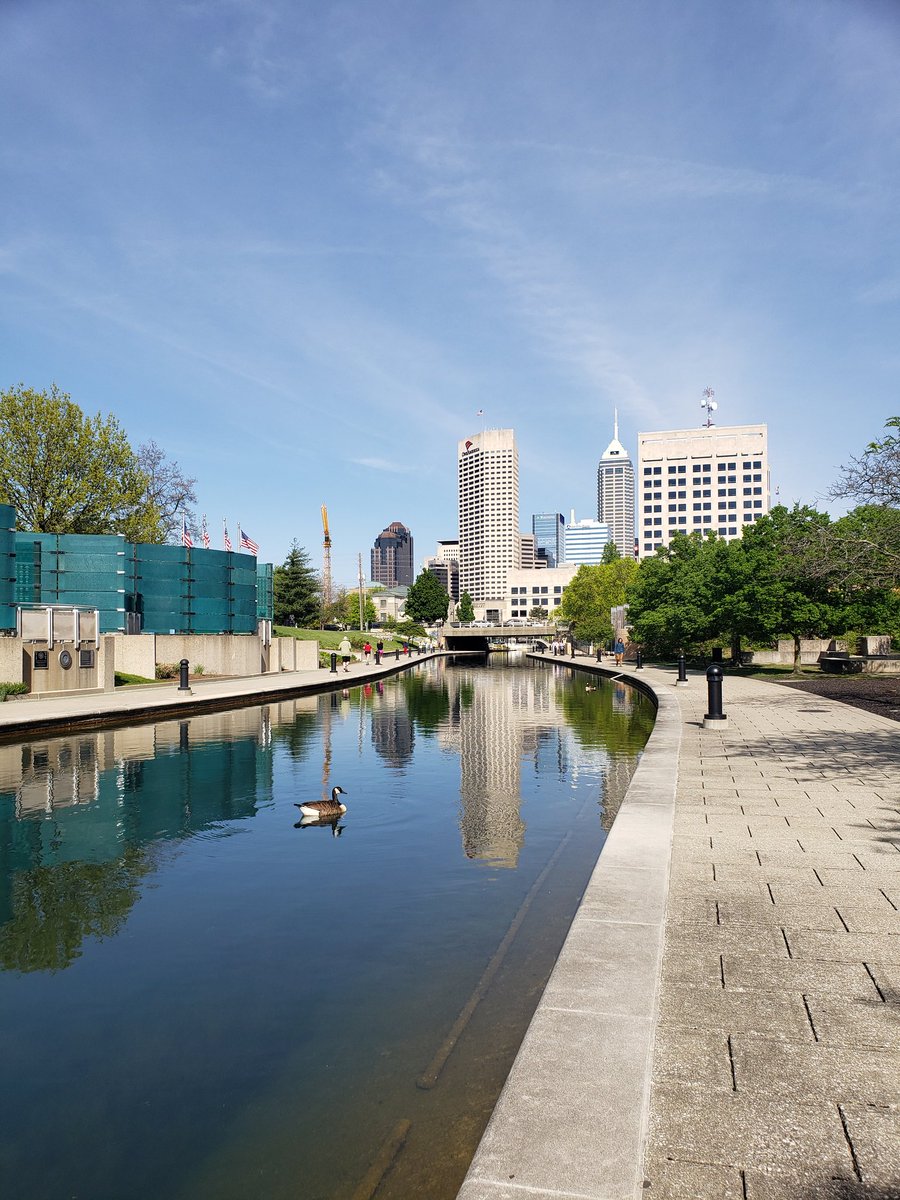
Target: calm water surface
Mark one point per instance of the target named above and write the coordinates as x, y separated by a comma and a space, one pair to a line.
201, 1001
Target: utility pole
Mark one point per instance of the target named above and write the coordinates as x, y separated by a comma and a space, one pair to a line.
362, 593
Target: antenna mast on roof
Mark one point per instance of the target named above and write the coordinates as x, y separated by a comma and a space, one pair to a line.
709, 404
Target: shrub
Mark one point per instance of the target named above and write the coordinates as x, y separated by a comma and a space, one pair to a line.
197, 670
167, 670
12, 689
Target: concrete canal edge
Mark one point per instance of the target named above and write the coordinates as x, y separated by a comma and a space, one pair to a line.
571, 1121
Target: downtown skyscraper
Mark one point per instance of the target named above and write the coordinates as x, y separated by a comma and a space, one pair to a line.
615, 493
489, 538
392, 556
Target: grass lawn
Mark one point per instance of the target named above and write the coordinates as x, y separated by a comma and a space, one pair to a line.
330, 639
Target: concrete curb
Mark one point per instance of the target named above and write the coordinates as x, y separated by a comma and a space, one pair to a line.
571, 1122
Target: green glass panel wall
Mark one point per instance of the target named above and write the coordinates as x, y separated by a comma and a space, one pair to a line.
7, 567
171, 587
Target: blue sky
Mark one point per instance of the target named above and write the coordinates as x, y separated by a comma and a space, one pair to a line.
302, 244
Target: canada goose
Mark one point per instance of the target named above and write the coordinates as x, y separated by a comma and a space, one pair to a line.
324, 808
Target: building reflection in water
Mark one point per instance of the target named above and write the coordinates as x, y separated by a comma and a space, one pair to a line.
518, 717
80, 816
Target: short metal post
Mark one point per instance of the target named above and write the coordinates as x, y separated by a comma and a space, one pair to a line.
333, 663
682, 671
397, 655
377, 658
183, 670
639, 661
714, 717
600, 654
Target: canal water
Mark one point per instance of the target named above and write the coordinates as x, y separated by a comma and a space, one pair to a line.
202, 1000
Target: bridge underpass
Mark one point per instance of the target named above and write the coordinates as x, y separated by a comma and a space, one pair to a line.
480, 637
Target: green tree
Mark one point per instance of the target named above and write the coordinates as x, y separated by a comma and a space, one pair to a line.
592, 593
65, 472
427, 600
465, 610
672, 598
538, 613
610, 553
352, 611
296, 590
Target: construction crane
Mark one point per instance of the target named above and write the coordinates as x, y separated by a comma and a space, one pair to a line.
326, 565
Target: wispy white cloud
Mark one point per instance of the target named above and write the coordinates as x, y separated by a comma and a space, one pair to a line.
382, 464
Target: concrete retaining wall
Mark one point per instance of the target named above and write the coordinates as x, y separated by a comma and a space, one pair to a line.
11, 660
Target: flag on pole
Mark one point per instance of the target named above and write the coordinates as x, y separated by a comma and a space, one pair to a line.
185, 534
228, 545
247, 542
205, 534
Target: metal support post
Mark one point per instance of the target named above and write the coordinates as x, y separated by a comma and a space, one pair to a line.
714, 717
183, 670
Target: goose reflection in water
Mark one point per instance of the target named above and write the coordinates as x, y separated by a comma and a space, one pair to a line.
332, 823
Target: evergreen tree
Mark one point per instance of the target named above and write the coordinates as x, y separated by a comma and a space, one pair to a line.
465, 610
296, 590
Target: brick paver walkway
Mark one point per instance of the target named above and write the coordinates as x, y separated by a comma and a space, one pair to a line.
776, 1067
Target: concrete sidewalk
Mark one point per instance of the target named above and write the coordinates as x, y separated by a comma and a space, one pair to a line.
24, 716
764, 1064
776, 1068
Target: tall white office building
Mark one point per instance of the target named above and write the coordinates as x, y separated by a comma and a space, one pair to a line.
615, 493
489, 537
695, 480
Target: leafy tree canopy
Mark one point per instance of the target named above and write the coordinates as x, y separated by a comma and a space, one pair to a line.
65, 472
592, 593
427, 601
351, 615
610, 553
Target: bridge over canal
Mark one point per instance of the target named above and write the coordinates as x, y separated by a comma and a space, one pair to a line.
479, 637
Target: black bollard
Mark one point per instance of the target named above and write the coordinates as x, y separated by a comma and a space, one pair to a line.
333, 663
682, 670
599, 654
183, 668
397, 655
639, 661
714, 715
377, 658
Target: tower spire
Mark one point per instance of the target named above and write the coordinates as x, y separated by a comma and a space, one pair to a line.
615, 424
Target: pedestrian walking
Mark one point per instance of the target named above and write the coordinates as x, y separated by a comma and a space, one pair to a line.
344, 648
619, 650
367, 650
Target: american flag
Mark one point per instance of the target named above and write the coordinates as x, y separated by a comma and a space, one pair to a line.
185, 535
205, 533
247, 542
228, 545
